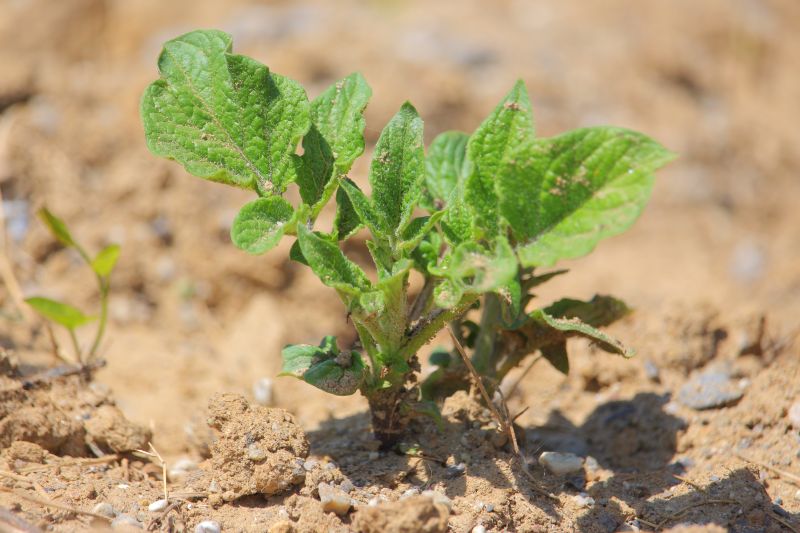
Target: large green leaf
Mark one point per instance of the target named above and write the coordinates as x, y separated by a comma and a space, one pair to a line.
397, 170
325, 367
336, 136
60, 313
491, 149
261, 223
445, 166
562, 195
330, 264
224, 117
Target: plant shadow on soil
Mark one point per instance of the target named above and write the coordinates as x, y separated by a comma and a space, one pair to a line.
635, 439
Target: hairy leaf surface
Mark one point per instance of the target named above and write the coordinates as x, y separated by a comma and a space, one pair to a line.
325, 367
261, 223
224, 117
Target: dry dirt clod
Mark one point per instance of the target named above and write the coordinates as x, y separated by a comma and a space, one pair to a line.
416, 514
109, 428
258, 450
27, 451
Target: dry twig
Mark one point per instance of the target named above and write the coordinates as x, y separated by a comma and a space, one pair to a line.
788, 476
52, 504
154, 454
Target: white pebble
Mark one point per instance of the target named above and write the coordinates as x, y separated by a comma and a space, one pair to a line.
158, 505
104, 509
794, 415
262, 392
797, 495
125, 521
254, 453
413, 491
207, 526
334, 499
583, 500
479, 529
561, 464
180, 468
438, 497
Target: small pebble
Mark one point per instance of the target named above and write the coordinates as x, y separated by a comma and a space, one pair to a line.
181, 467
346, 486
158, 505
561, 463
455, 471
373, 456
254, 453
438, 497
207, 526
104, 509
713, 478
583, 500
797, 495
794, 415
262, 392
778, 501
413, 491
334, 499
710, 390
310, 465
123, 520
479, 529
652, 372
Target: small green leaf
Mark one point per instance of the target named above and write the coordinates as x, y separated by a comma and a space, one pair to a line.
105, 260
60, 313
574, 326
397, 170
479, 270
418, 229
556, 355
57, 228
261, 223
347, 222
490, 150
446, 165
336, 137
296, 254
561, 196
224, 117
598, 312
330, 264
325, 367
365, 210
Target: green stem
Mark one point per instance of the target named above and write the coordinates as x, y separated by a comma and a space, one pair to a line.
101, 325
78, 354
486, 343
435, 324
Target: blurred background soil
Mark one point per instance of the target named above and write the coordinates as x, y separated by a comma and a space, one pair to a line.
712, 268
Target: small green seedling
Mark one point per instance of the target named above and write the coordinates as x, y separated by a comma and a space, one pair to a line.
66, 315
476, 217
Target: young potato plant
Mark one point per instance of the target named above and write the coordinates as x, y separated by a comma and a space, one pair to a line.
66, 315
478, 216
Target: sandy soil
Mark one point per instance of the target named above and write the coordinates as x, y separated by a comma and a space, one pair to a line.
712, 270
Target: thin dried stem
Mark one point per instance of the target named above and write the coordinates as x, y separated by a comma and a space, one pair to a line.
52, 504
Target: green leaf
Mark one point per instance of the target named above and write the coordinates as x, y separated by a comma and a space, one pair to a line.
224, 117
60, 313
561, 196
476, 269
556, 355
446, 165
598, 312
336, 137
418, 229
347, 222
325, 367
491, 149
574, 326
397, 170
330, 264
364, 209
296, 254
105, 260
261, 223
57, 227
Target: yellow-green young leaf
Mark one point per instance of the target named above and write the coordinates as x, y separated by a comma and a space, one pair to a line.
60, 313
330, 264
561, 196
325, 367
490, 150
106, 260
336, 136
224, 117
261, 223
57, 227
398, 169
446, 165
